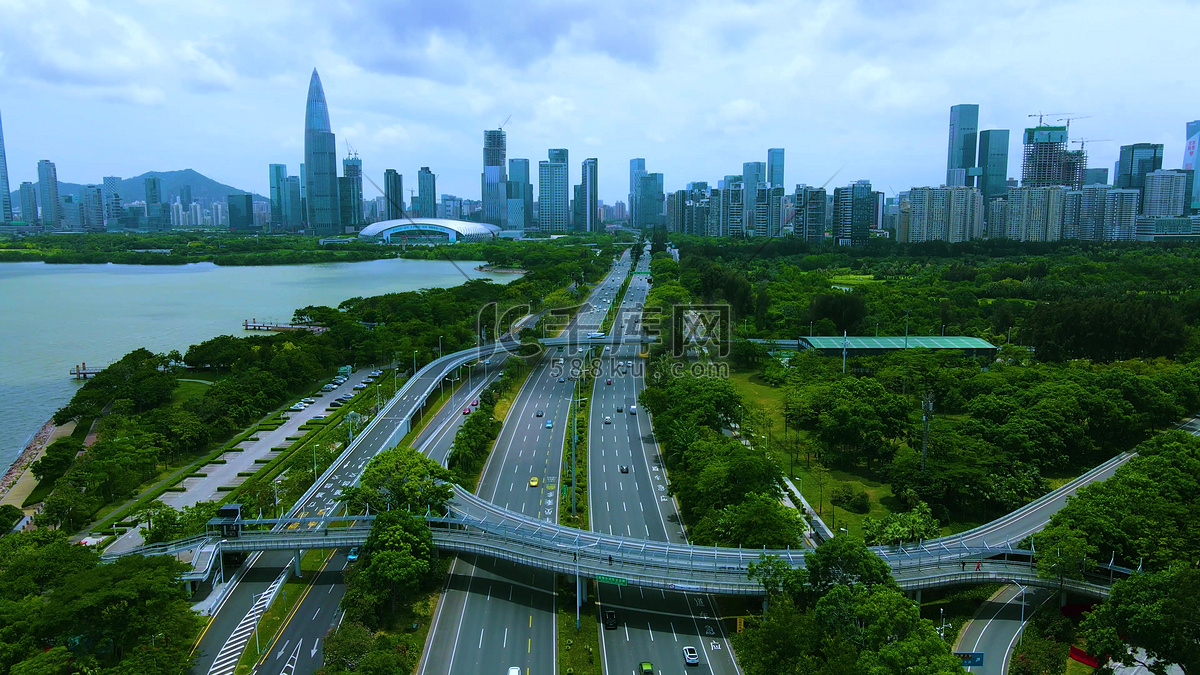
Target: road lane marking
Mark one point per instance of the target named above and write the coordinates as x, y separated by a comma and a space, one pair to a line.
480, 638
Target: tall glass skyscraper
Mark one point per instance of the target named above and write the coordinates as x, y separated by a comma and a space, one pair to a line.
775, 167
993, 163
588, 194
320, 162
393, 195
277, 175
426, 203
6, 215
637, 169
350, 192
48, 186
753, 173
520, 190
494, 180
554, 193
1191, 149
960, 155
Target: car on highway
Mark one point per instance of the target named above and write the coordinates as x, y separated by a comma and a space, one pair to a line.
352, 555
562, 379
549, 424
487, 362
620, 408
690, 656
610, 620
608, 381
646, 668
514, 671
624, 468
466, 411
475, 403
633, 410
533, 481
607, 419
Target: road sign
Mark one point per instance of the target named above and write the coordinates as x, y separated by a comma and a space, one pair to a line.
970, 658
612, 580
741, 624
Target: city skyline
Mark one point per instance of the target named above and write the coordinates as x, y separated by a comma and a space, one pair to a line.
881, 115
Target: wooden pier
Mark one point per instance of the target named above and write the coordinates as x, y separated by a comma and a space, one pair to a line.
254, 324
82, 372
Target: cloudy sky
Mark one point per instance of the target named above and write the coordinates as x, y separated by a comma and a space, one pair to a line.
851, 89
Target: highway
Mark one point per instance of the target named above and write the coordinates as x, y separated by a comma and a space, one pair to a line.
997, 625
652, 625
495, 615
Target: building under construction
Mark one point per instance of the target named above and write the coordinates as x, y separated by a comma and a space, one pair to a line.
1045, 157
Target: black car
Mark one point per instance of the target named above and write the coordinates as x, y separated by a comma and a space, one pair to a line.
610, 620
540, 413
562, 379
624, 468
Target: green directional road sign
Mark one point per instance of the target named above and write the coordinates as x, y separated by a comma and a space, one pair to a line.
612, 580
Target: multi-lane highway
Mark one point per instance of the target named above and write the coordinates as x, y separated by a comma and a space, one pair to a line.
627, 487
496, 615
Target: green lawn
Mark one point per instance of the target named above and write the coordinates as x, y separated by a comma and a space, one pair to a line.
854, 279
187, 390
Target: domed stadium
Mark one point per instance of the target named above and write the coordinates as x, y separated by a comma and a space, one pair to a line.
428, 231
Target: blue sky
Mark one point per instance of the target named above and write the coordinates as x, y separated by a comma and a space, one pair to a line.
851, 89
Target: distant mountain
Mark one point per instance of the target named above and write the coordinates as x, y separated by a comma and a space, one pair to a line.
134, 189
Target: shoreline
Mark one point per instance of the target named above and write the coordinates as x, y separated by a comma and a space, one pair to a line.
31, 452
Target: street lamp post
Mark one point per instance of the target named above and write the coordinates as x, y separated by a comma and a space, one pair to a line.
907, 314
415, 362
1022, 626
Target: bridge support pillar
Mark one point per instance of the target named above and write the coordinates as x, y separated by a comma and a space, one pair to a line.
1062, 598
296, 563
916, 596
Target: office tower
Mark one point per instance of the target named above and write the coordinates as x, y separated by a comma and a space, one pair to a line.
853, 213
277, 175
350, 193
426, 204
450, 207
48, 187
1120, 214
241, 212
185, 196
1034, 213
808, 221
651, 201
29, 212
70, 213
153, 191
393, 195
637, 169
775, 167
1094, 176
993, 163
590, 182
553, 187
320, 164
732, 207
303, 195
293, 213
93, 208
1190, 149
1045, 152
519, 189
111, 194
1135, 162
753, 173
558, 155
6, 214
964, 128
494, 179
578, 217
1166, 194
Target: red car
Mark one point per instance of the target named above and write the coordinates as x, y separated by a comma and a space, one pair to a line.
475, 403
466, 411
608, 381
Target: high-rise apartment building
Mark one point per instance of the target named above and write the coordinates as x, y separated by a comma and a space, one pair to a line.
1191, 149
1166, 193
350, 194
241, 212
1035, 213
1090, 227
554, 187
6, 214
993, 163
48, 186
29, 212
808, 221
590, 182
960, 154
1120, 214
93, 208
520, 189
320, 164
393, 195
952, 214
112, 199
426, 204
853, 213
494, 179
1045, 152
637, 169
277, 177
775, 167
1135, 162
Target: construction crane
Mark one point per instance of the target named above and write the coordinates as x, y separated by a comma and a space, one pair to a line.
1084, 141
506, 119
1040, 115
1068, 119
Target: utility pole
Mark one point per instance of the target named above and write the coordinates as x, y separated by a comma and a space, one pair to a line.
926, 416
845, 346
907, 313
571, 416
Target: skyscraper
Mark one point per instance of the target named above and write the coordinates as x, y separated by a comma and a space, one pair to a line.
775, 167
520, 189
153, 190
1135, 162
964, 127
1045, 152
1091, 213
553, 193
277, 176
1190, 161
1094, 176
29, 212
494, 179
808, 219
6, 214
393, 195
93, 208
293, 212
993, 163
1120, 214
589, 194
241, 212
350, 192
651, 201
112, 199
753, 173
320, 162
426, 204
1034, 213
48, 186
185, 196
637, 169
853, 213
1166, 194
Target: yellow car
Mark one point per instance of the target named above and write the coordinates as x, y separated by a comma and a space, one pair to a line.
533, 481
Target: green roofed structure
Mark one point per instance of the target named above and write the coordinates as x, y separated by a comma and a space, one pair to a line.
856, 345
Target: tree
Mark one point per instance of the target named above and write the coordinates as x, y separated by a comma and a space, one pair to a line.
1155, 612
757, 521
897, 528
346, 646
842, 561
402, 478
396, 560
1063, 553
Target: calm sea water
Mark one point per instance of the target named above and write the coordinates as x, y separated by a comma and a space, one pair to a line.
55, 316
